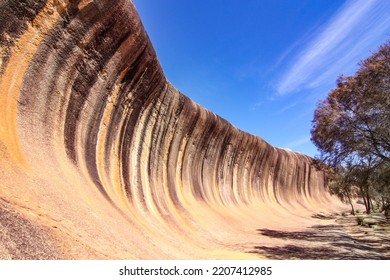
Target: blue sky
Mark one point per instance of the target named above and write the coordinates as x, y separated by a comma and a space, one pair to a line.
264, 64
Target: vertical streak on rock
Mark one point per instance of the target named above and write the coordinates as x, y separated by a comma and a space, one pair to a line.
83, 95
17, 35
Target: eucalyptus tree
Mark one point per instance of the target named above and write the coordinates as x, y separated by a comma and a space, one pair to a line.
351, 127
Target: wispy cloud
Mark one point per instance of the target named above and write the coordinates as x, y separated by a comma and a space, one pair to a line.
286, 108
257, 105
298, 142
356, 27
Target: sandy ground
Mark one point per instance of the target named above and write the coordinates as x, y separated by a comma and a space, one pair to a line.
335, 237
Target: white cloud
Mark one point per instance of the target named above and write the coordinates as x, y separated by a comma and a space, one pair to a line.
297, 143
286, 108
257, 105
341, 42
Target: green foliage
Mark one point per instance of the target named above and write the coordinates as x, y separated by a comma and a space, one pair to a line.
351, 128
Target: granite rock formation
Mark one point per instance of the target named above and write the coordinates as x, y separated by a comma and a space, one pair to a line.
101, 157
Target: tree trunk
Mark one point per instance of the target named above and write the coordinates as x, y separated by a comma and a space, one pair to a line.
350, 202
372, 205
366, 199
369, 202
386, 207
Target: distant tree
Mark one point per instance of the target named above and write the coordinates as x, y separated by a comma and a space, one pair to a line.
380, 180
340, 184
351, 127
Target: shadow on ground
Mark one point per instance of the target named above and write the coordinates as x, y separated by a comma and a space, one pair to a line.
328, 242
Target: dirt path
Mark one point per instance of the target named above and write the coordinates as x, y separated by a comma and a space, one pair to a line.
341, 238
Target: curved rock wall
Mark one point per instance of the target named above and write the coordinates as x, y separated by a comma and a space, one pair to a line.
101, 151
